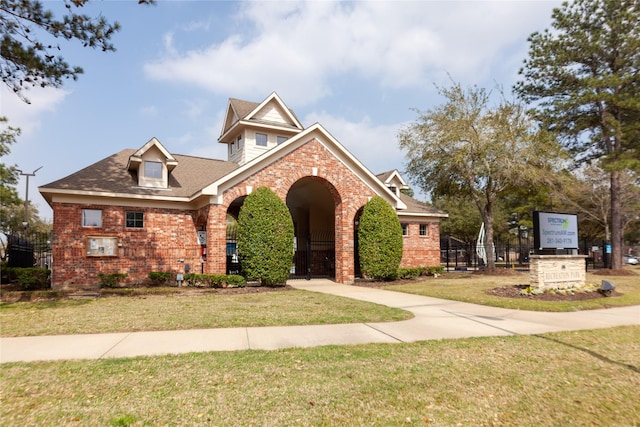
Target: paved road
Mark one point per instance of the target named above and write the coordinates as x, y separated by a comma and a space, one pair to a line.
434, 319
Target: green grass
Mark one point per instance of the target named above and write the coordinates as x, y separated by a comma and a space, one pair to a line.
169, 312
573, 378
471, 287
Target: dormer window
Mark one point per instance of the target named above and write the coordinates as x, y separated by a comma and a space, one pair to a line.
239, 142
152, 164
153, 170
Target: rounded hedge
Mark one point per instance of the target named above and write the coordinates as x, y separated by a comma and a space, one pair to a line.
265, 238
380, 240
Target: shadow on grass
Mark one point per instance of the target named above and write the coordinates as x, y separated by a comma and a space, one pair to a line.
592, 353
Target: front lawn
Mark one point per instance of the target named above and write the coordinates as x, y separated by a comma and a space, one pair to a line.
472, 287
571, 378
155, 311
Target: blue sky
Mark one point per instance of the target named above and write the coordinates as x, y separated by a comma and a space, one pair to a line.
358, 68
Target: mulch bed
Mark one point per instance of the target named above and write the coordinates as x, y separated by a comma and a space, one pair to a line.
513, 291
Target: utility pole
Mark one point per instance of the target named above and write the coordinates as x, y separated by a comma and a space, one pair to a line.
25, 223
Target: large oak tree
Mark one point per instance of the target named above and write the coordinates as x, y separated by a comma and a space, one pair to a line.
584, 78
467, 147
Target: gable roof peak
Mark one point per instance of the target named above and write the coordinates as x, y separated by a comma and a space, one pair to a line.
239, 110
136, 158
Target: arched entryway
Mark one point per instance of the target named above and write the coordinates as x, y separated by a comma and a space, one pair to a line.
232, 260
312, 202
356, 244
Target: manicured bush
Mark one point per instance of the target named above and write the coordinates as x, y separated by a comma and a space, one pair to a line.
160, 278
433, 270
409, 273
414, 272
380, 240
265, 238
214, 280
111, 280
30, 278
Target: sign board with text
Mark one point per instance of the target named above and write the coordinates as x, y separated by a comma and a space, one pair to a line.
552, 230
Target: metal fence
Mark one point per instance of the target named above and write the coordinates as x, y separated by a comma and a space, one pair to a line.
30, 249
456, 254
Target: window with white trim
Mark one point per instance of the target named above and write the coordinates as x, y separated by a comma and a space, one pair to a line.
152, 169
91, 218
261, 139
424, 229
239, 142
281, 139
405, 229
231, 148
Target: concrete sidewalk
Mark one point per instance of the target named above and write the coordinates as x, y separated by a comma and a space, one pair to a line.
434, 319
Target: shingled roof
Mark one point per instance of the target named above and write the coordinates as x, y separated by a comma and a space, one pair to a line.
418, 207
110, 175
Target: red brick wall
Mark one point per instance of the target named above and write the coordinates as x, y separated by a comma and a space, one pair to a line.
168, 240
166, 243
421, 251
348, 191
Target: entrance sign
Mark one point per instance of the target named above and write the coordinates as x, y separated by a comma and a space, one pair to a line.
553, 230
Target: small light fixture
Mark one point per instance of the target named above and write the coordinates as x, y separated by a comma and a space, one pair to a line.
607, 288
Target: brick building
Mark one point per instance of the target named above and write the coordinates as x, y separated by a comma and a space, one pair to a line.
150, 210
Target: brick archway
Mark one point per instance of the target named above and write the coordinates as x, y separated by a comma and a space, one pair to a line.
312, 202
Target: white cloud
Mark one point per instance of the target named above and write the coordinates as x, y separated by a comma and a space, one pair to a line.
149, 110
27, 116
296, 48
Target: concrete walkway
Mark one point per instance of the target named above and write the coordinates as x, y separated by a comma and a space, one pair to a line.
434, 319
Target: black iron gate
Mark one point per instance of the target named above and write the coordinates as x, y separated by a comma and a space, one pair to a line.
315, 255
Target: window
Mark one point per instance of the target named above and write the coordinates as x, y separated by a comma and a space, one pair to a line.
231, 147
153, 170
134, 220
239, 142
91, 218
261, 139
405, 229
281, 139
424, 230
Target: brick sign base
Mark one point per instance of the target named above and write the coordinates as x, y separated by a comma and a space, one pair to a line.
557, 271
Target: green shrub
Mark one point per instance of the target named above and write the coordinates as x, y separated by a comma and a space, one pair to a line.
30, 278
111, 280
433, 270
160, 278
380, 240
265, 238
409, 273
214, 280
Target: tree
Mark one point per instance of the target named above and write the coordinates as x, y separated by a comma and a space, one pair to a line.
584, 77
379, 240
28, 60
466, 147
587, 191
265, 237
9, 199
